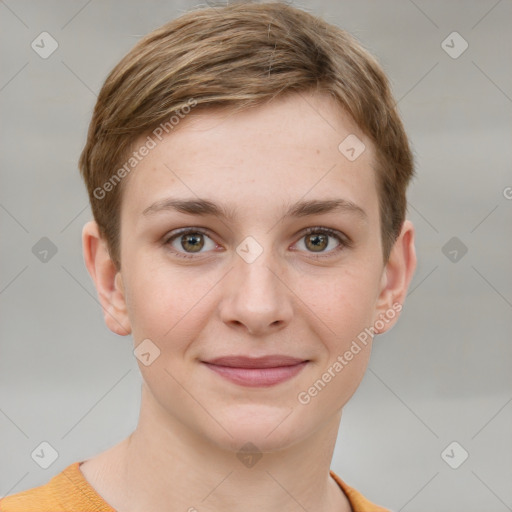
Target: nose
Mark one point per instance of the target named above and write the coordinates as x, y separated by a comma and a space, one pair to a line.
256, 297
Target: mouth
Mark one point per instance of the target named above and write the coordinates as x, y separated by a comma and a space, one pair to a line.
257, 372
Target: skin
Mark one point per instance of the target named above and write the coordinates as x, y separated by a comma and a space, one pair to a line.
193, 422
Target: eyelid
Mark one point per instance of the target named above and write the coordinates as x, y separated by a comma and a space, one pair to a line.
183, 231
332, 232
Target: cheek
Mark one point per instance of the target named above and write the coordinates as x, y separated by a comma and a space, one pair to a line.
164, 303
343, 309
342, 301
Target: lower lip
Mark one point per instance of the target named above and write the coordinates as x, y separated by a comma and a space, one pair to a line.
257, 377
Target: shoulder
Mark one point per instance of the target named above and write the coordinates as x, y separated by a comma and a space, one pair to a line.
357, 501
36, 499
68, 491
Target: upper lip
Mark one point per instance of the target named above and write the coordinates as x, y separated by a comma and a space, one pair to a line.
272, 361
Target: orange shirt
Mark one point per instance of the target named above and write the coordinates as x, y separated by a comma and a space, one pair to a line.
69, 491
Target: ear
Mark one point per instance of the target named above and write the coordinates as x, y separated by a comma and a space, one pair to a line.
107, 279
396, 277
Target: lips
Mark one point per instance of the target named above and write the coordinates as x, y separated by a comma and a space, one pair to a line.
256, 362
256, 371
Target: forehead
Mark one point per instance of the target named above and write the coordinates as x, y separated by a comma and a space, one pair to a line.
292, 148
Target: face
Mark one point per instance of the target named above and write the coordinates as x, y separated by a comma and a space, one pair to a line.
252, 237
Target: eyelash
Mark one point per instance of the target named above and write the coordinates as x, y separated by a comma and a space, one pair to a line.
343, 240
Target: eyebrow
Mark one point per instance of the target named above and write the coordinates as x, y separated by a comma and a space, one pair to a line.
300, 209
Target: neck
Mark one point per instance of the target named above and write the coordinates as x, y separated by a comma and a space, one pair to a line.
163, 462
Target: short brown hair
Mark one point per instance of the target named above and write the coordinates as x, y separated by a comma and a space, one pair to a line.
237, 56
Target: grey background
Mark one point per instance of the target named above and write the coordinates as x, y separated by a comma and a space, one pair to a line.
441, 375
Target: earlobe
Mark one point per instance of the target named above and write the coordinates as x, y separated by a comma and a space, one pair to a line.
396, 278
107, 279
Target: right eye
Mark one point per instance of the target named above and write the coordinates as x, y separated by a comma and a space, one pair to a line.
188, 241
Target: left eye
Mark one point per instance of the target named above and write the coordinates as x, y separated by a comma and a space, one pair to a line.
317, 240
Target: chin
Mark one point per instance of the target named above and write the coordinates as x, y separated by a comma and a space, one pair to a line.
268, 428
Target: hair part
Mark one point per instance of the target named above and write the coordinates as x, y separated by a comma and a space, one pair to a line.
238, 56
